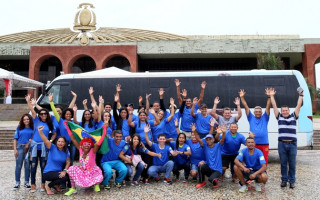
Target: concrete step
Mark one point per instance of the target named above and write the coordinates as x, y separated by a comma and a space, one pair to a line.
6, 147
316, 148
12, 112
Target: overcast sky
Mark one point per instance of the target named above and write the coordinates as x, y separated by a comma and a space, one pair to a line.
183, 17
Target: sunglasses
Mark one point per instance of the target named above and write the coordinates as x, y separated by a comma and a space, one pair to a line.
43, 113
87, 144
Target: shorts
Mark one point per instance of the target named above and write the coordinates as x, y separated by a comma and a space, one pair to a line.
265, 150
228, 160
194, 168
247, 175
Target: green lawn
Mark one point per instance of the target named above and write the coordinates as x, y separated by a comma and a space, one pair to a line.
316, 116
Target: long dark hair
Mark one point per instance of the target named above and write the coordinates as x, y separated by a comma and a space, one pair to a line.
48, 120
63, 115
65, 145
21, 124
83, 120
139, 118
177, 140
131, 142
110, 120
125, 109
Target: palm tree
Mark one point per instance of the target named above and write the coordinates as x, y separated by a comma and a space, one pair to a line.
269, 61
312, 89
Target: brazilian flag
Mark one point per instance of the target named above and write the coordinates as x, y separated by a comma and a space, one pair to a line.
79, 133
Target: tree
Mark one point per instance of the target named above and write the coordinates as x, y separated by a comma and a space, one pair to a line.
318, 93
312, 89
269, 61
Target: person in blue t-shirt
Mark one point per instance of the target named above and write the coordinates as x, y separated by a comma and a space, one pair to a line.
181, 161
259, 123
254, 168
230, 149
57, 158
89, 118
21, 137
111, 160
212, 165
133, 157
160, 164
187, 119
121, 119
202, 119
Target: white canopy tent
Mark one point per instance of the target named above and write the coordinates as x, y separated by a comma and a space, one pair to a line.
16, 82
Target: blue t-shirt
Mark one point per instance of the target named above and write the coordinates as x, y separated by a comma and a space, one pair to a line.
36, 137
187, 119
113, 123
87, 128
213, 156
203, 123
140, 130
56, 125
115, 150
180, 158
231, 144
170, 128
109, 129
137, 151
253, 161
197, 152
56, 159
23, 136
63, 130
150, 116
165, 152
135, 117
259, 127
159, 129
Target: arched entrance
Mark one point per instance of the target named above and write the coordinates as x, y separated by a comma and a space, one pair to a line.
84, 64
119, 62
50, 68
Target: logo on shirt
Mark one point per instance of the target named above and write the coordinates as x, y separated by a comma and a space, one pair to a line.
261, 158
126, 147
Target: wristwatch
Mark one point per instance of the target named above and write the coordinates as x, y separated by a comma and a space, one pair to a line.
65, 170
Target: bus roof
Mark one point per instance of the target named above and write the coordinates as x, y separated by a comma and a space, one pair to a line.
114, 72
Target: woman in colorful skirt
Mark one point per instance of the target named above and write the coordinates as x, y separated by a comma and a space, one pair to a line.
87, 173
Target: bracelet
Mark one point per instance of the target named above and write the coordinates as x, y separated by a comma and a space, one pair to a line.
65, 170
176, 126
301, 95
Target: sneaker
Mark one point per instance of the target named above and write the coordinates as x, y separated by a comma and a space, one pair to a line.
146, 181
258, 187
194, 180
97, 188
16, 187
118, 185
123, 183
157, 179
185, 180
227, 175
70, 192
283, 184
250, 181
27, 186
33, 188
215, 183
135, 183
292, 186
201, 184
243, 189
107, 187
167, 180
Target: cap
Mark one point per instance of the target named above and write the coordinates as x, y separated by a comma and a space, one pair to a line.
208, 136
129, 104
203, 105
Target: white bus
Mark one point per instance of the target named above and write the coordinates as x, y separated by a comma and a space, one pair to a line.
225, 84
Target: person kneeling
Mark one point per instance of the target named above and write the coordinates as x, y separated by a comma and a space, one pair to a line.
254, 169
160, 164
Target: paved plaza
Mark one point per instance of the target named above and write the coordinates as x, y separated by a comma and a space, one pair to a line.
307, 185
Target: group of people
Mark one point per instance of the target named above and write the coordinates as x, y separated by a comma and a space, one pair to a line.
154, 141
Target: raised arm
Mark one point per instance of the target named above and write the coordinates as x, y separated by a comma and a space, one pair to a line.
43, 137
213, 122
146, 131
178, 83
84, 102
130, 122
171, 110
237, 103
101, 104
147, 103
299, 103
53, 108
272, 92
156, 118
114, 108
214, 108
95, 110
222, 129
91, 91
34, 114
118, 90
195, 101
268, 106
98, 144
34, 104
140, 101
184, 96
73, 101
203, 87
75, 109
195, 132
161, 93
176, 124
74, 141
243, 101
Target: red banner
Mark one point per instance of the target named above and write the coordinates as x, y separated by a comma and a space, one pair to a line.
6, 82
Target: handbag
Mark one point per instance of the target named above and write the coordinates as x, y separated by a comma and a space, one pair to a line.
27, 146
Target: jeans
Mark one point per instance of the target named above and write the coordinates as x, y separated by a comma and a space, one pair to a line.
55, 179
139, 169
166, 168
118, 166
72, 149
205, 170
288, 154
19, 161
34, 165
186, 167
